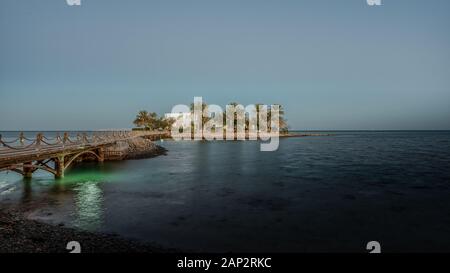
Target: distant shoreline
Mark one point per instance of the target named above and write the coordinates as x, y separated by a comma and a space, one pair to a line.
291, 131
303, 135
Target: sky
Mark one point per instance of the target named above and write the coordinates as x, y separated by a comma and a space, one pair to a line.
332, 64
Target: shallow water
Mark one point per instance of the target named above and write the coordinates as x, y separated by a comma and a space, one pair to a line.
330, 193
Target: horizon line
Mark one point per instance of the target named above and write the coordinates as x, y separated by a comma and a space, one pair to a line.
291, 130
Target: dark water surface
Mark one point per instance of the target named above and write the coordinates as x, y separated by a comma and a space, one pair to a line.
330, 193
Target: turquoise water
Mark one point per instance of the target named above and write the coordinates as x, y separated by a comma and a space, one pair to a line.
328, 193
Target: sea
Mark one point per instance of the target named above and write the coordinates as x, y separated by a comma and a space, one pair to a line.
329, 193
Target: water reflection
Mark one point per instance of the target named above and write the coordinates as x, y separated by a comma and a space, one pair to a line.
89, 205
229, 196
76, 200
83, 185
27, 191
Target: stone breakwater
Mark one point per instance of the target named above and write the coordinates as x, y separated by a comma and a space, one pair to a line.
135, 148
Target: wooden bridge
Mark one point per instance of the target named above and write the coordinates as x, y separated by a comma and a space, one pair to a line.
24, 155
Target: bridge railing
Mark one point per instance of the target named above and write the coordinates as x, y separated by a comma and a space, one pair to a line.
66, 139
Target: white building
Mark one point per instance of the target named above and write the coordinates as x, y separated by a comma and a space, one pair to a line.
185, 117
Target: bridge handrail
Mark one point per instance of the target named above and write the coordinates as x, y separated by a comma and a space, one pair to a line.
97, 137
18, 148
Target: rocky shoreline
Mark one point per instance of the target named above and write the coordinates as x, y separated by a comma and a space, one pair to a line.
20, 235
134, 148
139, 148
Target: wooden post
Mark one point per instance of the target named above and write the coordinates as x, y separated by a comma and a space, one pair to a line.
21, 138
28, 170
39, 138
66, 138
59, 166
101, 154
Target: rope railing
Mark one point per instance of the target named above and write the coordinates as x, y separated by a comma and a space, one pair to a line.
20, 147
42, 141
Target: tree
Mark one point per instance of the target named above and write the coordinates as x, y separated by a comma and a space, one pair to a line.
150, 121
235, 118
164, 123
283, 126
205, 119
141, 119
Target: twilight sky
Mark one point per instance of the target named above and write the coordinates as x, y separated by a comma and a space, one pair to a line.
332, 64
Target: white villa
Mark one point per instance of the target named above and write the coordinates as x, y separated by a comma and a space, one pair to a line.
186, 117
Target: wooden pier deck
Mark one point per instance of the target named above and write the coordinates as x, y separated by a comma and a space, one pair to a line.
54, 155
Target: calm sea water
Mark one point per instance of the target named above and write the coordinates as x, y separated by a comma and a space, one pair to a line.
328, 193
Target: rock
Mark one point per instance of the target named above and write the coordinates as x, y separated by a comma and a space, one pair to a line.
135, 148
28, 236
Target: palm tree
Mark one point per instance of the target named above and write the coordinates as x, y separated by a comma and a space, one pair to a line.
147, 120
163, 123
257, 115
167, 123
283, 126
234, 104
141, 119
205, 119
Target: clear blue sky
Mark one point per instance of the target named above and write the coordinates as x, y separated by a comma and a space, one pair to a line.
332, 64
